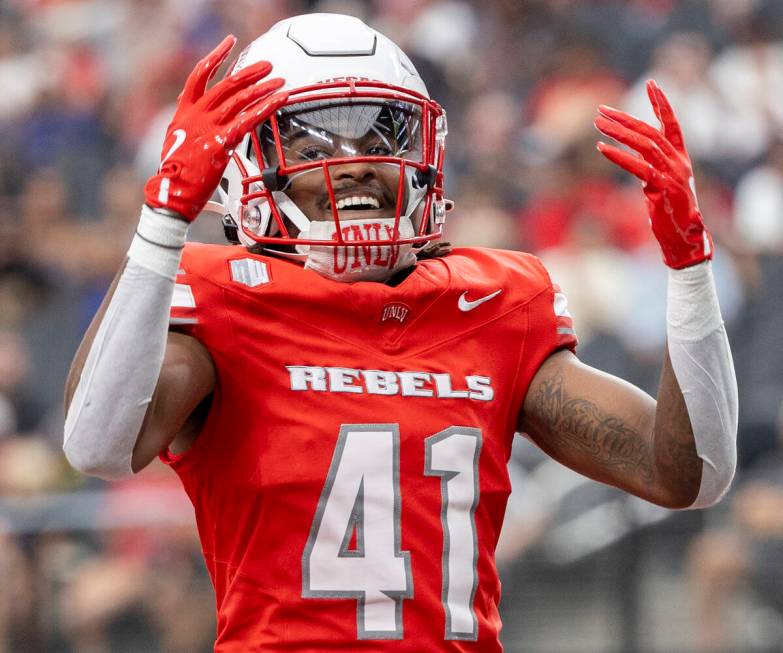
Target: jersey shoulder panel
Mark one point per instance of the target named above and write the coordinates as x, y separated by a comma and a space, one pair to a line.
520, 274
205, 271
524, 279
191, 296
220, 264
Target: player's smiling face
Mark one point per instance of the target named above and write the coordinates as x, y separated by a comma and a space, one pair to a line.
362, 191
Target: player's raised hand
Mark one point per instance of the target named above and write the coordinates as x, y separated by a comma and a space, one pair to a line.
207, 125
665, 169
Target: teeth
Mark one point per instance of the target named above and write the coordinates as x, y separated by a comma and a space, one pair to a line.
356, 200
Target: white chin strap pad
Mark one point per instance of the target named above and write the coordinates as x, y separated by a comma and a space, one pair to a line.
701, 360
355, 262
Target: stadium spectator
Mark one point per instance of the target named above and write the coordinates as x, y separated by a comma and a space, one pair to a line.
736, 566
749, 76
141, 585
681, 65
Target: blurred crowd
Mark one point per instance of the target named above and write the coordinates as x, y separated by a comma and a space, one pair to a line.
86, 90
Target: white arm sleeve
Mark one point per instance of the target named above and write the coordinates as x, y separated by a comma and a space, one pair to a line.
125, 358
701, 361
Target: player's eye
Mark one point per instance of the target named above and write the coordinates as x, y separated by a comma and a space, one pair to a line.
379, 149
312, 153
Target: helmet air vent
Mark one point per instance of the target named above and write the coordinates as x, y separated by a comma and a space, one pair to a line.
332, 35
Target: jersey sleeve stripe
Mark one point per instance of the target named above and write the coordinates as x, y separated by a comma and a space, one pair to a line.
561, 305
564, 323
183, 297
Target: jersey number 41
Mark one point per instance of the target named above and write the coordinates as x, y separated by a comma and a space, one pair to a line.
354, 547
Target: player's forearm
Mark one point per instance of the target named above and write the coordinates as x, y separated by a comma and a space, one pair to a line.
693, 442
612, 432
675, 461
112, 388
699, 359
77, 365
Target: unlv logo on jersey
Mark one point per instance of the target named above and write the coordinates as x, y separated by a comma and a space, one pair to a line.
354, 257
395, 311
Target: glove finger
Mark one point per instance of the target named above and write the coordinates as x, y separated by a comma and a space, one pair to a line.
253, 116
248, 97
232, 84
643, 145
663, 109
632, 122
199, 78
627, 161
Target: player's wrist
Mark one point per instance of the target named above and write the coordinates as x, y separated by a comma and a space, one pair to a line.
174, 196
158, 242
692, 309
681, 253
168, 213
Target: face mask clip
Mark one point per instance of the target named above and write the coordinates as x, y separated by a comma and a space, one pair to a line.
273, 180
230, 229
425, 178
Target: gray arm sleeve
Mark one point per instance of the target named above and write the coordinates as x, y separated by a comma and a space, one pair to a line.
125, 358
701, 360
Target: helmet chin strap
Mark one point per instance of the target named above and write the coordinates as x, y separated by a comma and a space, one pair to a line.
291, 211
355, 261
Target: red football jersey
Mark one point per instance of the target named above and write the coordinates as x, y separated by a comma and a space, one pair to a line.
350, 481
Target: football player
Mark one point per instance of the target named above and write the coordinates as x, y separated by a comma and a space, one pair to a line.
337, 393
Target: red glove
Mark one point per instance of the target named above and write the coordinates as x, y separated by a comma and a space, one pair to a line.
206, 127
665, 168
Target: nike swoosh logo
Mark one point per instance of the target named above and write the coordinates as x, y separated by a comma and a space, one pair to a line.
465, 305
179, 139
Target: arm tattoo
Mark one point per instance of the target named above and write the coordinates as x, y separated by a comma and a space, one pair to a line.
581, 424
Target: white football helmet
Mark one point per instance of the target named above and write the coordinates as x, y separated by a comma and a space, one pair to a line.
354, 97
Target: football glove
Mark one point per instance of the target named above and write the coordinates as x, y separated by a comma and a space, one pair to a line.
667, 175
207, 126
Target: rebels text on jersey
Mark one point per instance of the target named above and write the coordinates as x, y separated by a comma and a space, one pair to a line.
350, 481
